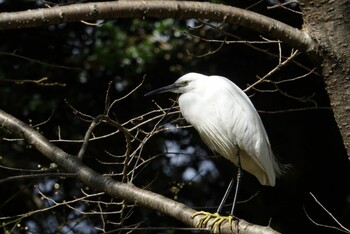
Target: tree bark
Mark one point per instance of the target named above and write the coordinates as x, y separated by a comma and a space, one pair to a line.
115, 188
328, 22
160, 9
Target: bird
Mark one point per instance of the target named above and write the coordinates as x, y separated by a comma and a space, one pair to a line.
229, 124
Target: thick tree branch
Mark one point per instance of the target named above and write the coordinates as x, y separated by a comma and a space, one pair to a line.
112, 187
160, 9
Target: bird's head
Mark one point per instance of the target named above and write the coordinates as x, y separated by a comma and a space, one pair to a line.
184, 84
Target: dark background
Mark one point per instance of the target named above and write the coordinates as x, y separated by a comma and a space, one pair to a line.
79, 62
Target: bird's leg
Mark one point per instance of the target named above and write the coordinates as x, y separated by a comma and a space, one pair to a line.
239, 174
213, 220
218, 219
228, 190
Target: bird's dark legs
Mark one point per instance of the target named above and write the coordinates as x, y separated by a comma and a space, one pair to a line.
222, 203
239, 174
216, 217
229, 188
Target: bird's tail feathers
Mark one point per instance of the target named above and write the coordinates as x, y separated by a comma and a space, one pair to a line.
280, 167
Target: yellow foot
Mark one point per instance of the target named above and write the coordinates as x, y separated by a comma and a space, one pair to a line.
215, 224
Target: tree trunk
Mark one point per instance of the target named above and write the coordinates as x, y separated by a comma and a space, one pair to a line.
328, 22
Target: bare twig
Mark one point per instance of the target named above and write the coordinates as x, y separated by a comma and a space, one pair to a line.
127, 95
39, 62
88, 133
41, 82
342, 227
41, 175
277, 68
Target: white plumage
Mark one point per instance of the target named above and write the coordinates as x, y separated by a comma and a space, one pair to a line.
226, 120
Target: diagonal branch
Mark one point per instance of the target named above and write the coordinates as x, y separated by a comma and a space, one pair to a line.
160, 9
116, 189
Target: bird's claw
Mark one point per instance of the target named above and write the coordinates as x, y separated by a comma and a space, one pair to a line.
215, 224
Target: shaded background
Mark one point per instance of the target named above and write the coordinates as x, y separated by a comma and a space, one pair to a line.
79, 62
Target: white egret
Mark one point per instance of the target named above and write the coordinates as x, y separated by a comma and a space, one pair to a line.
228, 123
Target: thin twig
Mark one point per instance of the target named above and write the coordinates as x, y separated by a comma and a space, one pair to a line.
127, 95
278, 67
85, 144
343, 228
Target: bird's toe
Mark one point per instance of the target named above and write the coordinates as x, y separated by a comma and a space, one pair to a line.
216, 222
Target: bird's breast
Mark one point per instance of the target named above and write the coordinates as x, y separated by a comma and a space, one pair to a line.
205, 116
193, 108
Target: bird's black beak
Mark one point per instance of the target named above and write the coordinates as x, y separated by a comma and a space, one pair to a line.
168, 88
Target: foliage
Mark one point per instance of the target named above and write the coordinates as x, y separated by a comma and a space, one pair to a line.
57, 77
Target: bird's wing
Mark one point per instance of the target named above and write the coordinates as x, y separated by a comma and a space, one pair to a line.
242, 123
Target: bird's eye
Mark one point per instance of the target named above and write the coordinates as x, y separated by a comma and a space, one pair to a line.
184, 83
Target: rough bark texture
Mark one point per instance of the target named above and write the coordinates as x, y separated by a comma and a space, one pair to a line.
159, 9
115, 188
328, 22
